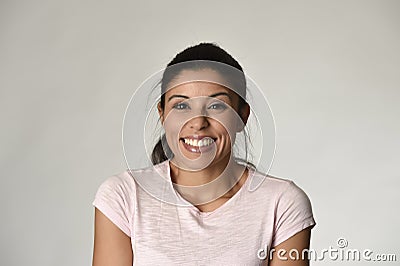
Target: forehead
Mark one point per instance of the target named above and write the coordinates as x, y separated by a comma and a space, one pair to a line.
197, 89
202, 82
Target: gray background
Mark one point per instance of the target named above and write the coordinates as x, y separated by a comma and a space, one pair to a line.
330, 70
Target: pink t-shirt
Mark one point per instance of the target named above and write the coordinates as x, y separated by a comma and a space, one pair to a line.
233, 234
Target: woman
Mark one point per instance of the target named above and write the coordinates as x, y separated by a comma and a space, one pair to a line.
216, 219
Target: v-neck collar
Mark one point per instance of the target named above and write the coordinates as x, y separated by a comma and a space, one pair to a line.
225, 205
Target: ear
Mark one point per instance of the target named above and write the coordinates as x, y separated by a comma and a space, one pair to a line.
244, 114
160, 112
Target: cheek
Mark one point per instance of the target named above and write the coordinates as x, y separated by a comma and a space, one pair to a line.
226, 124
171, 130
173, 124
225, 131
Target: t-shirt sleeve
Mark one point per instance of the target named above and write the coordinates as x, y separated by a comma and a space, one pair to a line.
115, 199
293, 213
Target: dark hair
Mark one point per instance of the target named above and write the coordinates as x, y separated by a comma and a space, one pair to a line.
202, 53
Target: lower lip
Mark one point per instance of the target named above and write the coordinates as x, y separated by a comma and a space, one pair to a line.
196, 149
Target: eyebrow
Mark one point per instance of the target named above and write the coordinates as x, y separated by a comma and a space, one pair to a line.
212, 95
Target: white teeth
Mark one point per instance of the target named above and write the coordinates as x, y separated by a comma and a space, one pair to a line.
199, 143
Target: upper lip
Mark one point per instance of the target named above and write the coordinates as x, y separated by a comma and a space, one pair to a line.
197, 137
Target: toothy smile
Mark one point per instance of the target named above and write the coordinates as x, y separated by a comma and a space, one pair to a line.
196, 142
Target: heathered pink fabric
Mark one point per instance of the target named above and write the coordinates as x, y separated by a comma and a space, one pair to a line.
164, 234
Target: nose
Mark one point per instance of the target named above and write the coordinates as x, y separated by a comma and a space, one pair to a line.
198, 123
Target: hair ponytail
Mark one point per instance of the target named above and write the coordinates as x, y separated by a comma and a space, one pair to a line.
161, 151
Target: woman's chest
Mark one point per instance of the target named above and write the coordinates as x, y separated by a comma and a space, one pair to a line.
170, 235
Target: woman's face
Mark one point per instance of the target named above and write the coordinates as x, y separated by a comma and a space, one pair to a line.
200, 120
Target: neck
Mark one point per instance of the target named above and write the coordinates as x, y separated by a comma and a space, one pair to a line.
209, 184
